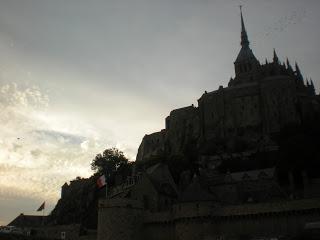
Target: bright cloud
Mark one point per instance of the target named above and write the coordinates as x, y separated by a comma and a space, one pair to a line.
36, 157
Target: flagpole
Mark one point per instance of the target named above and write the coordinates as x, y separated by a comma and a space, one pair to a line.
43, 216
106, 186
106, 190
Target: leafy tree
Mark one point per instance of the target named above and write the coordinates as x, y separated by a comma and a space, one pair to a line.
111, 162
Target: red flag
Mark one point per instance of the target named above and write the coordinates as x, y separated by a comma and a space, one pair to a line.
101, 181
42, 207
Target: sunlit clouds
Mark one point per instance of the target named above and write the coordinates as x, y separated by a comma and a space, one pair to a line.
36, 154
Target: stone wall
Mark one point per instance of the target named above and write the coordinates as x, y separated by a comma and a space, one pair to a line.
208, 221
152, 145
125, 219
279, 98
120, 219
182, 127
268, 225
67, 232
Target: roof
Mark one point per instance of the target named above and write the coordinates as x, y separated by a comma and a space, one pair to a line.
246, 54
28, 221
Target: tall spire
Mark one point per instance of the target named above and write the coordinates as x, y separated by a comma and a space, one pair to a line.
245, 54
244, 36
246, 63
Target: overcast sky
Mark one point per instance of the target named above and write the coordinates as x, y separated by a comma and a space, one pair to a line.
79, 76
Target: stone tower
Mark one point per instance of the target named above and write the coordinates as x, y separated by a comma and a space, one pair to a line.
120, 219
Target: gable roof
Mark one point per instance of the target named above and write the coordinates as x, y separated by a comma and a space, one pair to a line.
28, 221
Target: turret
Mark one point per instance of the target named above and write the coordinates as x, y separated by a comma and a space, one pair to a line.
312, 89
289, 66
298, 74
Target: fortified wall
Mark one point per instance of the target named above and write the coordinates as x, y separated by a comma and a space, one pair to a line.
125, 219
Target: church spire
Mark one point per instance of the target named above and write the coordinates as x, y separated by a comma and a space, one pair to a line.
245, 54
246, 63
244, 36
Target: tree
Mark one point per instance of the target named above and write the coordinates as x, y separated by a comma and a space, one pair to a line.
111, 162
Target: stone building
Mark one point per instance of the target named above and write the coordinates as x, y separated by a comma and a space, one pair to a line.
224, 169
259, 101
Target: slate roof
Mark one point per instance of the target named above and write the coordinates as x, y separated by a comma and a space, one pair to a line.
246, 54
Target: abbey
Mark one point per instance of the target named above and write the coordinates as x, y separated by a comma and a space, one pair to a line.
244, 164
259, 101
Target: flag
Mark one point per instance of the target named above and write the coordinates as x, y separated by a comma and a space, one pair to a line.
101, 181
42, 207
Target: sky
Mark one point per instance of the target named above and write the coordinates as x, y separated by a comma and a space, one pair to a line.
78, 76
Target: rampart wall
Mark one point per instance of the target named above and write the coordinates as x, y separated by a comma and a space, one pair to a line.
186, 221
120, 219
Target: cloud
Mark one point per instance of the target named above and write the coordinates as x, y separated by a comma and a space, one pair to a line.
37, 155
57, 137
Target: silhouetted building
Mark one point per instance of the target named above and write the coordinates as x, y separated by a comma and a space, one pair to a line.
241, 165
